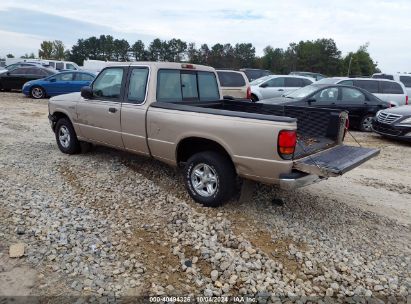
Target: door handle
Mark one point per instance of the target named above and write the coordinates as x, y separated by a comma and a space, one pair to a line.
112, 110
281, 90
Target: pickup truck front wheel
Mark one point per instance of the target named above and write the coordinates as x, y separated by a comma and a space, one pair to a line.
66, 137
209, 178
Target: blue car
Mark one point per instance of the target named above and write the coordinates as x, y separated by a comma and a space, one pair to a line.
61, 83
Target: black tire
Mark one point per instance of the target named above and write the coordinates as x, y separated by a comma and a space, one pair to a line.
220, 167
365, 124
254, 98
71, 145
37, 92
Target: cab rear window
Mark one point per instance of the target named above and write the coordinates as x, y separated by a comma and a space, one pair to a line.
231, 79
182, 85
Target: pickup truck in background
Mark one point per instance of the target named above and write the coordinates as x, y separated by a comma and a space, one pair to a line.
175, 113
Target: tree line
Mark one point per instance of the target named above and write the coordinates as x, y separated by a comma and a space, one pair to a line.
321, 55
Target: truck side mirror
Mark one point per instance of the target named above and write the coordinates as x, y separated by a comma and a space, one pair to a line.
86, 92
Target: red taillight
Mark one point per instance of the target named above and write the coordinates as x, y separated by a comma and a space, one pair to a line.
406, 99
286, 143
248, 93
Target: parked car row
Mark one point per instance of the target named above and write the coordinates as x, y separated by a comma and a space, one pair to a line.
38, 82
388, 90
367, 100
360, 104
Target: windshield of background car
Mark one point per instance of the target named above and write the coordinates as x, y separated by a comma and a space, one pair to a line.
260, 80
329, 80
303, 92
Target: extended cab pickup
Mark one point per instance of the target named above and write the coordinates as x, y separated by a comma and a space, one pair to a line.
175, 113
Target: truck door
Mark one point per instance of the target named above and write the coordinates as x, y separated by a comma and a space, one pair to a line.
99, 117
133, 111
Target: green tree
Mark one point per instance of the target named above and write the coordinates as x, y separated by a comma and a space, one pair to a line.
361, 63
121, 49
138, 50
244, 54
46, 50
58, 50
9, 56
193, 55
174, 50
156, 50
273, 60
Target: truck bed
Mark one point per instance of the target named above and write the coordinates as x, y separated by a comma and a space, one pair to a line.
317, 129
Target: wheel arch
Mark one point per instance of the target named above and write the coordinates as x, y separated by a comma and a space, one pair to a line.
189, 146
56, 116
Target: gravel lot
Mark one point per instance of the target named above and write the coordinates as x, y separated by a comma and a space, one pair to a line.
112, 223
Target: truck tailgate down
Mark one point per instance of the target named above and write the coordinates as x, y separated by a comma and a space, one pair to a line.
335, 161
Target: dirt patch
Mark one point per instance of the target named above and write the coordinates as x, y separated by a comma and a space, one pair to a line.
162, 267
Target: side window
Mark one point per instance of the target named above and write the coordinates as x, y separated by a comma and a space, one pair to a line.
306, 82
369, 85
84, 77
52, 65
347, 82
388, 87
137, 85
406, 80
31, 71
108, 83
276, 82
18, 71
349, 94
69, 66
330, 94
293, 82
59, 65
208, 88
65, 77
231, 79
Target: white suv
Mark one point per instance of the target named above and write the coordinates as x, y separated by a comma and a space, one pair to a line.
405, 79
390, 91
276, 85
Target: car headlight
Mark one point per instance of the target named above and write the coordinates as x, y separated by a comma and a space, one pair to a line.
406, 121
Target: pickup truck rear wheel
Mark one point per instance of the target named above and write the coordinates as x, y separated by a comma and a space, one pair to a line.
209, 178
66, 137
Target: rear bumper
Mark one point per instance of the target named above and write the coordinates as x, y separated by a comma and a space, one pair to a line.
297, 180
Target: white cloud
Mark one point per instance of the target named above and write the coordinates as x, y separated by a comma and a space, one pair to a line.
385, 24
18, 43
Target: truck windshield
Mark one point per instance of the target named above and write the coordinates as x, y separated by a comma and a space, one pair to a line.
182, 85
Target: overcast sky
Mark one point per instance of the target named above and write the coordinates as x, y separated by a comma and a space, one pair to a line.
385, 24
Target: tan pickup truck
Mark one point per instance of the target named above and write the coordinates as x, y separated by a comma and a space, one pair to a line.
175, 113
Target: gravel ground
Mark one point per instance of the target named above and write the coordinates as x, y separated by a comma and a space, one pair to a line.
111, 223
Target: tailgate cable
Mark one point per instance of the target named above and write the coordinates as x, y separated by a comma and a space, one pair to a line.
354, 138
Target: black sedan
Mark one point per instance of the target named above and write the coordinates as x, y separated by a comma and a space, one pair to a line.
360, 104
394, 123
15, 79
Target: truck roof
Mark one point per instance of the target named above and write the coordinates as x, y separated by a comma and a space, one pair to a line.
164, 65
